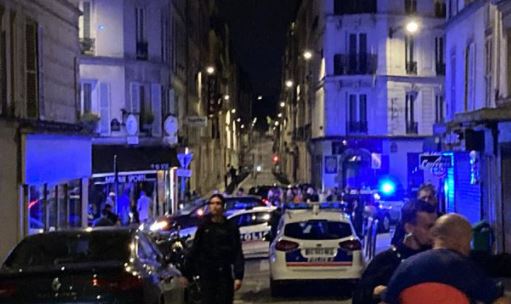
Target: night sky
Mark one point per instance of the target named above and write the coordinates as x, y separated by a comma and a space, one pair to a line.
258, 29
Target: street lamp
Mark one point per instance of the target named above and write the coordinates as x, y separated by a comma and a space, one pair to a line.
282, 104
243, 126
259, 97
411, 27
238, 120
227, 97
210, 70
279, 115
307, 55
233, 111
289, 83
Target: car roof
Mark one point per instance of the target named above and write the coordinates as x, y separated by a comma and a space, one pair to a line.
293, 216
97, 230
250, 210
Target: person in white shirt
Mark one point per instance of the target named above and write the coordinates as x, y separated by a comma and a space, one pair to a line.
143, 204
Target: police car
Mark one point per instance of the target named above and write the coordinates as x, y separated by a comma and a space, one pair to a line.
314, 243
254, 225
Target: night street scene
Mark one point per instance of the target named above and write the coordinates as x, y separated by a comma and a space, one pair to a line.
255, 151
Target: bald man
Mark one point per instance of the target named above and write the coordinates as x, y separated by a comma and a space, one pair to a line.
447, 264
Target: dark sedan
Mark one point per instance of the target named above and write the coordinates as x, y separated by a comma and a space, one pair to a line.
89, 266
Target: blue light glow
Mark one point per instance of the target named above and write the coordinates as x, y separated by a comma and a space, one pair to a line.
387, 187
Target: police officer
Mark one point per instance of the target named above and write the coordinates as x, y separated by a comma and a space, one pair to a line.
216, 256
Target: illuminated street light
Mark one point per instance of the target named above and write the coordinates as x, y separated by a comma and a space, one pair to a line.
259, 97
233, 111
243, 126
227, 97
282, 104
307, 55
412, 27
279, 115
289, 83
210, 70
238, 120
276, 123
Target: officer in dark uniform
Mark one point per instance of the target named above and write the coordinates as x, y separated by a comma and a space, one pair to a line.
216, 256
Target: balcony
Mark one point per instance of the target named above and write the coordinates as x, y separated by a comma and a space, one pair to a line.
440, 68
411, 68
348, 7
142, 53
355, 64
357, 127
412, 127
87, 46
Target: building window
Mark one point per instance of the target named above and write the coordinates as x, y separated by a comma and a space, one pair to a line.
357, 109
489, 72
87, 44
411, 124
439, 56
470, 57
453, 8
411, 64
142, 50
358, 61
31, 69
165, 41
146, 114
452, 88
439, 108
3, 66
440, 9
86, 97
410, 6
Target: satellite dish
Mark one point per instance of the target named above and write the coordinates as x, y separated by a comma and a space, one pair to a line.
171, 125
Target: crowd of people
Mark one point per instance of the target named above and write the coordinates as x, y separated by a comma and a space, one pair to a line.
431, 261
126, 212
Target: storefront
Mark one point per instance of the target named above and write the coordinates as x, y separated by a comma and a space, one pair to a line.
121, 173
55, 172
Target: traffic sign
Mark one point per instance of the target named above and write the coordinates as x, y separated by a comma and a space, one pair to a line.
184, 172
185, 159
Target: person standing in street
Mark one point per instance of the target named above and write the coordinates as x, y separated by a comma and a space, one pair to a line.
418, 219
143, 204
216, 256
445, 274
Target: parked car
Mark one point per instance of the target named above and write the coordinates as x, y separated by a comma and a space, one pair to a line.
103, 265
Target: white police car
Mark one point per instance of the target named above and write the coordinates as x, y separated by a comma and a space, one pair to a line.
314, 244
254, 225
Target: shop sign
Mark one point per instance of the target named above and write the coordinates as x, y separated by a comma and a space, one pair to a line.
127, 178
160, 166
428, 161
197, 121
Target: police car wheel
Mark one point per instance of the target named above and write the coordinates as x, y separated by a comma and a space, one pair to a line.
276, 289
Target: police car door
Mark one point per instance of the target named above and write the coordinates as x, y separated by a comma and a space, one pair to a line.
253, 227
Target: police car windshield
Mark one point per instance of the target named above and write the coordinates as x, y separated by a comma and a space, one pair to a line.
317, 230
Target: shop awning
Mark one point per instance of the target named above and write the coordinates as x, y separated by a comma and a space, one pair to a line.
499, 114
132, 159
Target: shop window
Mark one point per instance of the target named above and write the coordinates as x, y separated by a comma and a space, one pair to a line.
54, 207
